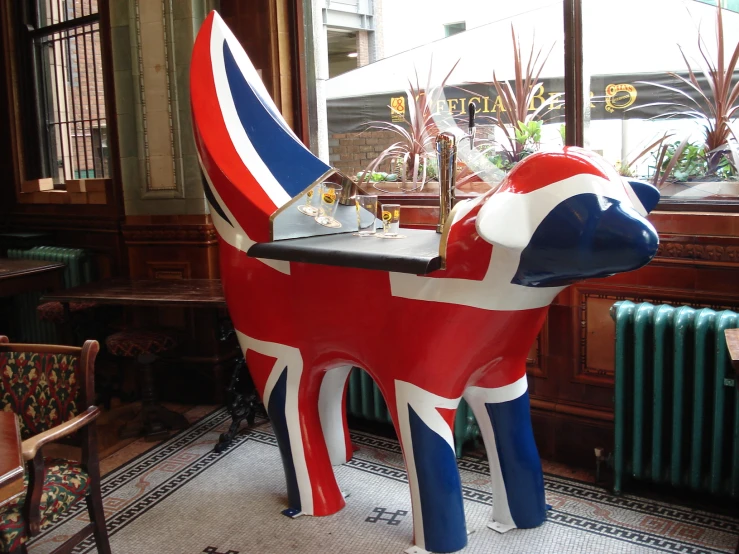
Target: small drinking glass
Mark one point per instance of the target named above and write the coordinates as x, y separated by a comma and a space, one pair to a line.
366, 214
390, 220
310, 199
330, 193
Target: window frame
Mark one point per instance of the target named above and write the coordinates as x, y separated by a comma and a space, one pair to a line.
18, 76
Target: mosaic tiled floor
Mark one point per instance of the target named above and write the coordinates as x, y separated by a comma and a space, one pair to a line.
180, 498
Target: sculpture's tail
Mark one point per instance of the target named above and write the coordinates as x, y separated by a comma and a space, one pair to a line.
252, 158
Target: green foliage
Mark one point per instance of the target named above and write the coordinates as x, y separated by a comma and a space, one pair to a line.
375, 176
691, 162
501, 162
528, 134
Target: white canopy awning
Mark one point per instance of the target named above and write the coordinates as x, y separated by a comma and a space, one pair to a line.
629, 37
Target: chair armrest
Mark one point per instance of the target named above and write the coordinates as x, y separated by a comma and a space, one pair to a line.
30, 446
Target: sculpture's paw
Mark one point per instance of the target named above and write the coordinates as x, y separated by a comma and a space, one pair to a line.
501, 527
292, 513
416, 550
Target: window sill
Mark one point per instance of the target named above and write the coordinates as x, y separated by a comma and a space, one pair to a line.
60, 197
76, 191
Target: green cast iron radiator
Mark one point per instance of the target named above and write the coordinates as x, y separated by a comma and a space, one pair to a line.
676, 403
364, 401
78, 271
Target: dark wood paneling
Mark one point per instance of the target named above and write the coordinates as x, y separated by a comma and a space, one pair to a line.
171, 247
182, 247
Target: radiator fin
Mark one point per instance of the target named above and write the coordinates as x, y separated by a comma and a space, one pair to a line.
78, 271
676, 406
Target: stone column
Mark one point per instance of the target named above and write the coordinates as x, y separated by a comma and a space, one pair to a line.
152, 42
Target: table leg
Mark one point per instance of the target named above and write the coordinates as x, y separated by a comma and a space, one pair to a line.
242, 399
241, 406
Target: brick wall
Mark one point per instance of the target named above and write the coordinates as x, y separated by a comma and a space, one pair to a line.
352, 152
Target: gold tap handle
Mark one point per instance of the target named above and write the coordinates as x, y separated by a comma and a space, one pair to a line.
446, 153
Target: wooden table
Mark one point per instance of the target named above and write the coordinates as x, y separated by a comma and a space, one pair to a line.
18, 276
11, 462
179, 293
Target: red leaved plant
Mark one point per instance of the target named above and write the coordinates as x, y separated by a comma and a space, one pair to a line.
415, 144
716, 100
516, 99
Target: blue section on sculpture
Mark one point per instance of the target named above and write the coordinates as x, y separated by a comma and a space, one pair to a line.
442, 509
519, 461
584, 237
293, 165
647, 194
276, 412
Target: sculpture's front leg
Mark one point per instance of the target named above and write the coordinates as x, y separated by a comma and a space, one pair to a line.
503, 415
428, 448
290, 394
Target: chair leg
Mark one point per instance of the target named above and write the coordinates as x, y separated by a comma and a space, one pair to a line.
97, 516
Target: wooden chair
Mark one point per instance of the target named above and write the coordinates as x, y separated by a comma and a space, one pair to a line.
51, 389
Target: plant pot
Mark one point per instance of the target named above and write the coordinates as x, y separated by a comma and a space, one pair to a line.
701, 190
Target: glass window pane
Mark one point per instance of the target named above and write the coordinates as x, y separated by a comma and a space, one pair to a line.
52, 12
645, 116
381, 77
72, 134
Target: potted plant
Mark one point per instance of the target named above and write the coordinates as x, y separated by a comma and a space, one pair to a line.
709, 167
521, 128
413, 150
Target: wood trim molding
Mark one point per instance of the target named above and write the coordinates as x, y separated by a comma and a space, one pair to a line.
155, 230
714, 251
570, 409
168, 234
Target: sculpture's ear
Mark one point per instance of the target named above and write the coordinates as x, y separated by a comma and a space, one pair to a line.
647, 195
508, 219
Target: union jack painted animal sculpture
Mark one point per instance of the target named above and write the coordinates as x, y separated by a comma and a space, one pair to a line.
557, 218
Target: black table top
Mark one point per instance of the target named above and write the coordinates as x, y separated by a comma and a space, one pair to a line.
417, 254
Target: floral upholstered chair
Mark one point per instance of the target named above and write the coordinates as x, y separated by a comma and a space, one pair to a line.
51, 390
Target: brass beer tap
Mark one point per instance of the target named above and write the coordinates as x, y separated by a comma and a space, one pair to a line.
446, 155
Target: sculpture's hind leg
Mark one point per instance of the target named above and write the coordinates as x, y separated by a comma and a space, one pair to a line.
425, 423
285, 385
503, 416
332, 407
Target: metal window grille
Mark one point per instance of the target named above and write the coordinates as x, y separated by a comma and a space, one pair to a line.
67, 72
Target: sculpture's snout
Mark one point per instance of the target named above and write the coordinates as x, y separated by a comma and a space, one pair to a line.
584, 237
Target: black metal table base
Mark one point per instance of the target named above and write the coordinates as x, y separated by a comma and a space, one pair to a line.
242, 404
243, 401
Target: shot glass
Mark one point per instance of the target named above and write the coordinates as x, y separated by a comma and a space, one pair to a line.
309, 207
390, 220
366, 205
330, 193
